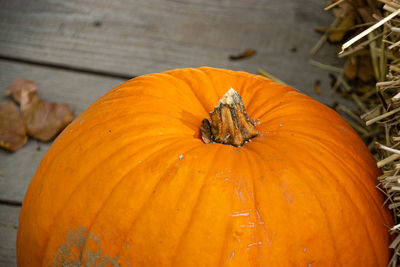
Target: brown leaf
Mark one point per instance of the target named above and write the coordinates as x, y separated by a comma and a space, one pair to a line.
317, 87
43, 120
365, 88
365, 71
16, 87
337, 34
344, 10
246, 54
350, 68
12, 130
366, 14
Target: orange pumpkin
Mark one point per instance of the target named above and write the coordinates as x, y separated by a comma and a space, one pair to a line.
131, 183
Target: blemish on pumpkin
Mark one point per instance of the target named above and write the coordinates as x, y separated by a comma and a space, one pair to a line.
249, 225
289, 197
254, 244
305, 250
232, 255
239, 193
238, 213
180, 157
95, 238
259, 218
71, 253
237, 234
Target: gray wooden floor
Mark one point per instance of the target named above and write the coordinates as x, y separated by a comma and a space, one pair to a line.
79, 49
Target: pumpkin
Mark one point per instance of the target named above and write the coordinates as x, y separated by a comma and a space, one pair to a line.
147, 176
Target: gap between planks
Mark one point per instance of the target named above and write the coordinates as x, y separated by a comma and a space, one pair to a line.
67, 67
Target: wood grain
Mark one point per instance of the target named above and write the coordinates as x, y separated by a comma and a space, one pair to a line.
8, 235
78, 90
145, 36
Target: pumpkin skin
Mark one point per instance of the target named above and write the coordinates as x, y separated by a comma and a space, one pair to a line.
131, 183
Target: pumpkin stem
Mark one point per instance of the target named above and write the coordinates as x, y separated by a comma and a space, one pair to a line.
229, 124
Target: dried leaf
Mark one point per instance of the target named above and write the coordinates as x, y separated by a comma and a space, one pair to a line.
43, 120
337, 34
317, 87
350, 68
12, 130
246, 54
365, 71
364, 89
16, 87
366, 14
344, 10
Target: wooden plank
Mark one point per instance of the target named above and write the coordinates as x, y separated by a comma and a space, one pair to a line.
144, 36
8, 235
78, 90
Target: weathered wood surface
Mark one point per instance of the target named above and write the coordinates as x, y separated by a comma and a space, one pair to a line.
144, 36
78, 90
8, 235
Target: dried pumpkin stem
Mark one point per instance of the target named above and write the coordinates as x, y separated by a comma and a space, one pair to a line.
230, 123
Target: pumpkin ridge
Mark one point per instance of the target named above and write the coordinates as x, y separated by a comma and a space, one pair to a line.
186, 80
186, 228
57, 214
226, 235
273, 108
74, 140
370, 193
366, 229
50, 160
364, 193
155, 98
86, 132
233, 85
256, 86
260, 86
149, 97
147, 199
313, 192
349, 200
89, 228
190, 89
43, 178
229, 229
161, 78
179, 137
328, 223
297, 132
249, 155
